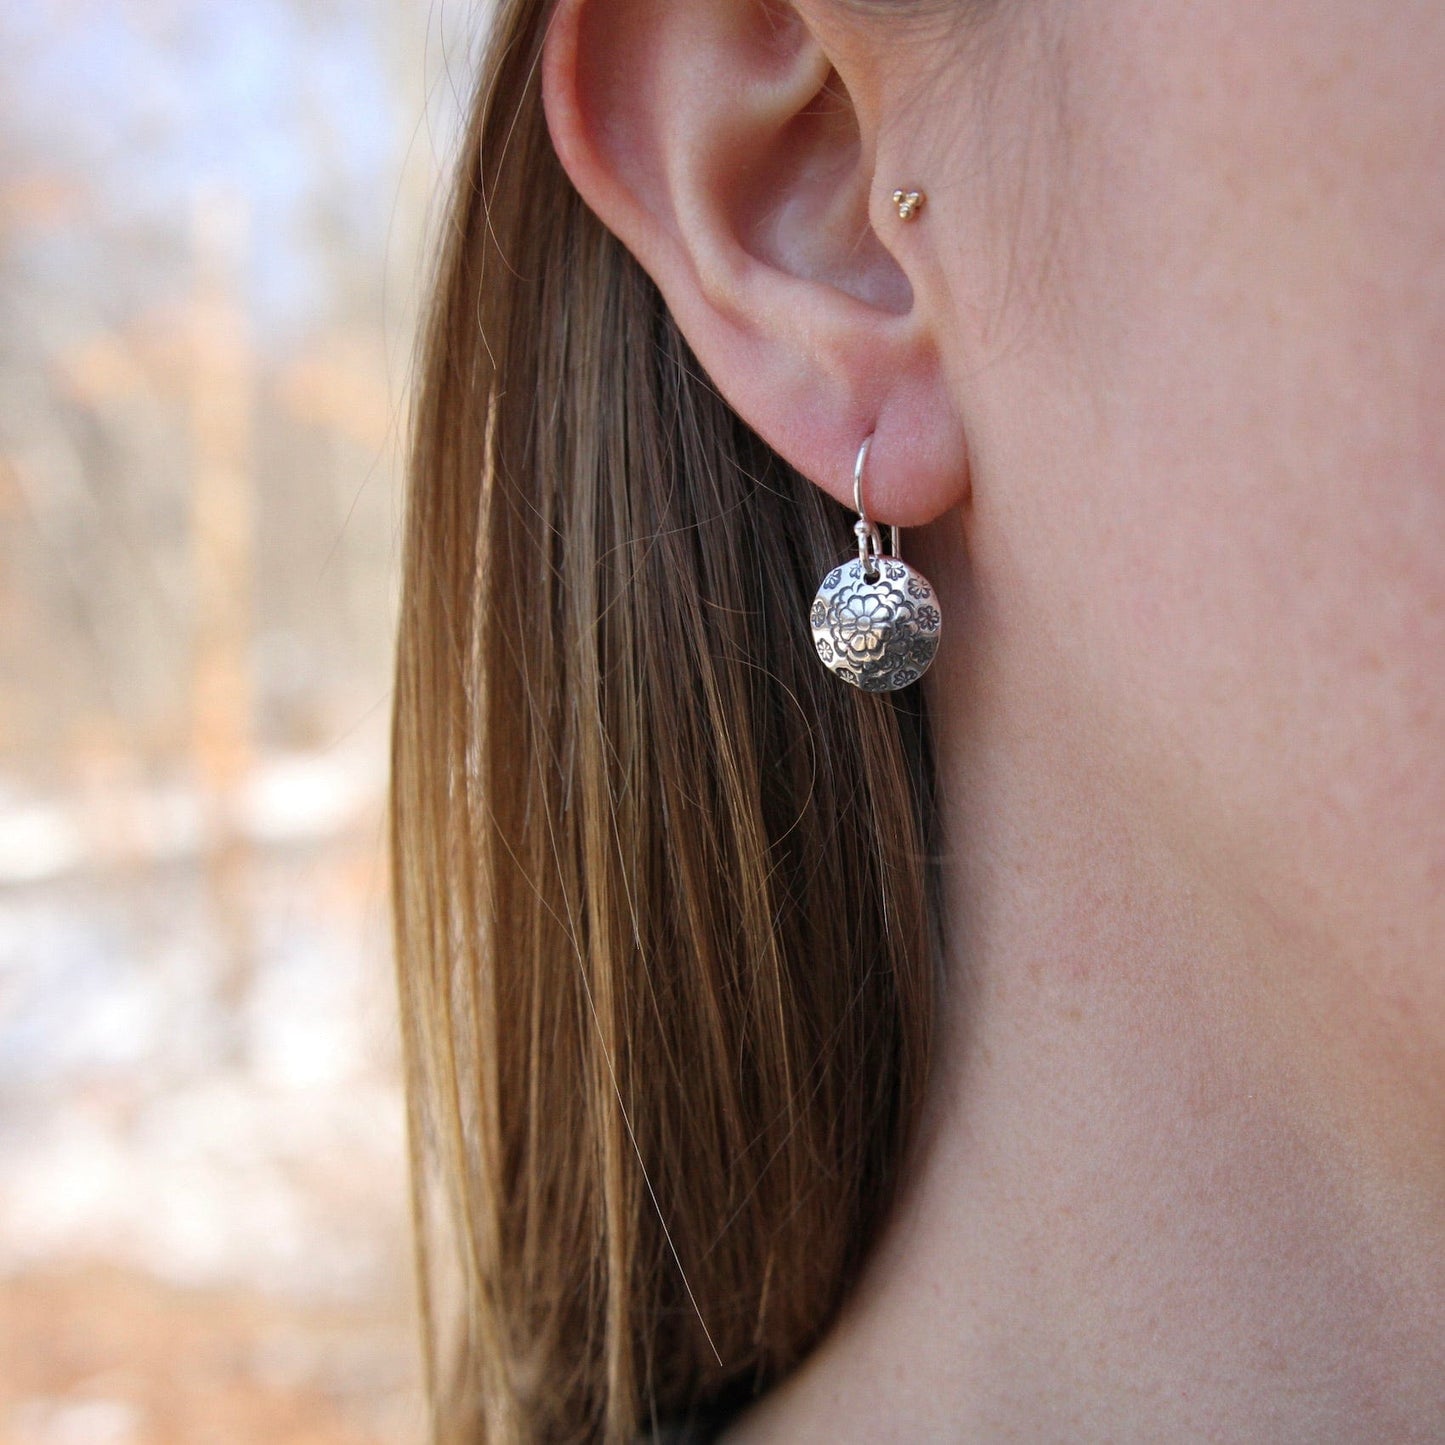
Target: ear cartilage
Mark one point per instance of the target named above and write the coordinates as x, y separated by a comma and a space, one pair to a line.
909, 203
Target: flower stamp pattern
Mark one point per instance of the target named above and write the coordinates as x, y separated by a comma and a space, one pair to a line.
878, 634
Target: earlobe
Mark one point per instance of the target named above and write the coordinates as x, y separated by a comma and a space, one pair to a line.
718, 143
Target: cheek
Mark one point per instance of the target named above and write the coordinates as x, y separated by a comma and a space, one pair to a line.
1238, 536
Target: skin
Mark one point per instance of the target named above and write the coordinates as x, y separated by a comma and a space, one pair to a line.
1157, 383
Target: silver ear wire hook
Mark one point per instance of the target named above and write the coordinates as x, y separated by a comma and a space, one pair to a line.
864, 528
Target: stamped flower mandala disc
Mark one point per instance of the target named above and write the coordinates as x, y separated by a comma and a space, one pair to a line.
878, 634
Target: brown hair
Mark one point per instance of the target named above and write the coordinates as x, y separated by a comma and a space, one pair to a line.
664, 916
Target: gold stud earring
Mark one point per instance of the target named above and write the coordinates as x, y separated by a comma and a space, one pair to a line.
909, 203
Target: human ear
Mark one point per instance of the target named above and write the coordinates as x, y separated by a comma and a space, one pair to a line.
718, 142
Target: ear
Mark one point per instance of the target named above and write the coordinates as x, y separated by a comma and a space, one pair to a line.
717, 141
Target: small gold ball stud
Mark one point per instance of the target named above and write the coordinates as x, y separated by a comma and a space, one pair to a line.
909, 203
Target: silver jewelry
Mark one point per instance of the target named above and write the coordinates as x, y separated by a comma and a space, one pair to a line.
876, 620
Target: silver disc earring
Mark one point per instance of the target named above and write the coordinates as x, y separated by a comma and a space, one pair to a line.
876, 620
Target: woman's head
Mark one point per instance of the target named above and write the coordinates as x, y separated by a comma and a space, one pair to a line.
1163, 357
1154, 385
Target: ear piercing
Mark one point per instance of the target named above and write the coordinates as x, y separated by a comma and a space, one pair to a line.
875, 620
909, 203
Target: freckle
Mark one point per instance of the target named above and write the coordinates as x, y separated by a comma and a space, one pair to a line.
1074, 1015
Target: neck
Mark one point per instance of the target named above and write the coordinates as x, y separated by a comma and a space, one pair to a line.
1145, 1205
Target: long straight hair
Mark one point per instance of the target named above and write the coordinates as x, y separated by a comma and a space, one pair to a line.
665, 922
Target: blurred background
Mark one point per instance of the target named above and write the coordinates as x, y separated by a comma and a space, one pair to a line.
212, 228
